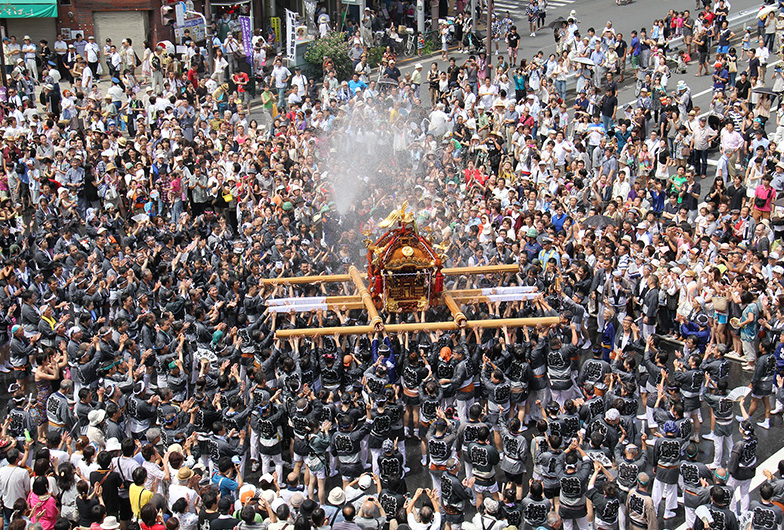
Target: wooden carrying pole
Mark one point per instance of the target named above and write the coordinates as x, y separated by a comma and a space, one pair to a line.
457, 314
416, 326
455, 271
375, 320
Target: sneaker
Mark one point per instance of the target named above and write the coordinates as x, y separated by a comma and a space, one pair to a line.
523, 428
4, 369
254, 468
407, 469
765, 424
424, 460
739, 418
708, 436
778, 409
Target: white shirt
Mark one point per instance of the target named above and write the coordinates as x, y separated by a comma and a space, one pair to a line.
14, 483
416, 525
29, 50
91, 52
178, 491
301, 82
280, 74
762, 54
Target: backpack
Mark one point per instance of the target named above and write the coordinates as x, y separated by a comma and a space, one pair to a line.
689, 105
155, 63
199, 63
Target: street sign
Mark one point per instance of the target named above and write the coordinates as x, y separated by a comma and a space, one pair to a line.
195, 25
179, 11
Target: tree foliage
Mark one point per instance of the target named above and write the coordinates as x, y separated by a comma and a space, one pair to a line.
335, 46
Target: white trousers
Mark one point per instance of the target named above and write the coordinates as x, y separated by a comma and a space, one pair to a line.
741, 494
267, 461
570, 524
670, 494
722, 446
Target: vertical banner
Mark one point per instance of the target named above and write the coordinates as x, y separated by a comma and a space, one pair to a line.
247, 38
291, 33
275, 24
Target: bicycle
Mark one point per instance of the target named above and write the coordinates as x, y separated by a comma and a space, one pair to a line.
410, 46
642, 73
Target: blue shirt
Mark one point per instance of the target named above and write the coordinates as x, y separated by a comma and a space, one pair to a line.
558, 221
657, 200
532, 250
545, 256
226, 485
635, 46
354, 85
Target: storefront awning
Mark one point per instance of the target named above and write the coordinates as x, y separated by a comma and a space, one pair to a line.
28, 9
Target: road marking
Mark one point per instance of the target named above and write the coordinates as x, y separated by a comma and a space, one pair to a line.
759, 477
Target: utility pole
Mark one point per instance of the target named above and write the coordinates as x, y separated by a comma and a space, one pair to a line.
490, 8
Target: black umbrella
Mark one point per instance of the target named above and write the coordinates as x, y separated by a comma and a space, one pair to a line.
556, 23
599, 221
764, 90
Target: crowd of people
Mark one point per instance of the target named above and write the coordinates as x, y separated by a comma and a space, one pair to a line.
147, 218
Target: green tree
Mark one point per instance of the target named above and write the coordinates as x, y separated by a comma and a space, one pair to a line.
335, 46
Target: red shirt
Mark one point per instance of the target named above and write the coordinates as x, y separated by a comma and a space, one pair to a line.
241, 77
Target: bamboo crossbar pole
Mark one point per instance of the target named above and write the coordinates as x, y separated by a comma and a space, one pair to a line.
454, 308
487, 291
315, 332
455, 271
415, 326
296, 280
375, 320
311, 300
487, 269
492, 324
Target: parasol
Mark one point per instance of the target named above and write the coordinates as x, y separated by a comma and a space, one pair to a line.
765, 90
765, 11
584, 60
737, 393
599, 221
556, 23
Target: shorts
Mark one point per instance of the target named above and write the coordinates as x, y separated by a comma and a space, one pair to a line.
478, 488
23, 373
721, 318
636, 61
551, 493
423, 430
703, 57
749, 350
723, 49
758, 392
320, 474
515, 478
411, 400
299, 457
